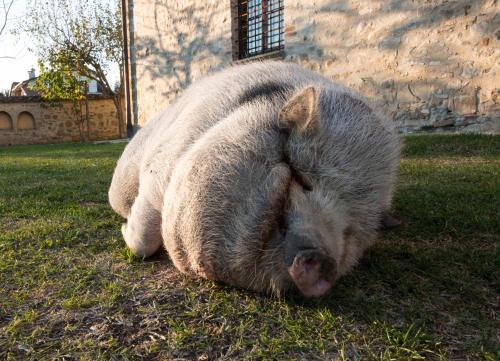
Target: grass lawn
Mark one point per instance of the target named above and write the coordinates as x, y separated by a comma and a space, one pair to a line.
70, 289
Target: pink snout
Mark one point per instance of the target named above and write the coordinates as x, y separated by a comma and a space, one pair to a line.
313, 273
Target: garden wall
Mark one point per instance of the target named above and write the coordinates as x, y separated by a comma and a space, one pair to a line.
29, 120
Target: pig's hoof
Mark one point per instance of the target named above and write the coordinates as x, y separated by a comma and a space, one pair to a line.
138, 246
389, 221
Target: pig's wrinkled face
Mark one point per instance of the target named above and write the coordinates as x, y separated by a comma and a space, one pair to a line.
313, 243
315, 221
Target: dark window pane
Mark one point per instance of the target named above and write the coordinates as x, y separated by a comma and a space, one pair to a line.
260, 26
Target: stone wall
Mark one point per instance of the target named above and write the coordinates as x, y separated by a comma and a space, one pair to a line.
431, 64
28, 120
176, 42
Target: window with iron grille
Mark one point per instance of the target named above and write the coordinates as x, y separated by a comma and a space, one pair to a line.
257, 27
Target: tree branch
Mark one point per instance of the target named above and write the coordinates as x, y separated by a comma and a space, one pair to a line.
6, 9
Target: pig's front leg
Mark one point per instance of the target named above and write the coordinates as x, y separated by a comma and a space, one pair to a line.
142, 232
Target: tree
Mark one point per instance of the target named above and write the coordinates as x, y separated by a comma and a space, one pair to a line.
5, 7
80, 37
58, 83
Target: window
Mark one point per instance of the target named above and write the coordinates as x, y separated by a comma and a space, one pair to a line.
257, 27
92, 87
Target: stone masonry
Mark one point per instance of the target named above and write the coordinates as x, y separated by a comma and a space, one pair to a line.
176, 42
28, 120
433, 65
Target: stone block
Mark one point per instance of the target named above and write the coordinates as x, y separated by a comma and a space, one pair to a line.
472, 129
440, 117
444, 122
460, 121
290, 30
464, 104
491, 126
495, 95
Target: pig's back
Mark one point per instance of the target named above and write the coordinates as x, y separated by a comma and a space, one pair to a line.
207, 102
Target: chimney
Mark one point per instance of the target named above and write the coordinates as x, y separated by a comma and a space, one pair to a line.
31, 73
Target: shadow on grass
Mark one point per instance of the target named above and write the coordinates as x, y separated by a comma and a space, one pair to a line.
445, 145
63, 259
439, 270
80, 150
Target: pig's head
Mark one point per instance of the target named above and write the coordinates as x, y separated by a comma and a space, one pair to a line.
317, 226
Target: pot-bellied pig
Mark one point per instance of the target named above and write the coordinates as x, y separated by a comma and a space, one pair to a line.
265, 176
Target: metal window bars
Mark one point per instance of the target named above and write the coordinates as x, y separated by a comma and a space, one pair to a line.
260, 27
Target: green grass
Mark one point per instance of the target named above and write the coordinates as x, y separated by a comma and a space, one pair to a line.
70, 289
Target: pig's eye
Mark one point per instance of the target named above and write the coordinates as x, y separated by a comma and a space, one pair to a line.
298, 176
302, 179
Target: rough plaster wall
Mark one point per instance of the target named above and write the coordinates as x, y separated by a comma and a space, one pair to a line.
430, 63
54, 124
176, 42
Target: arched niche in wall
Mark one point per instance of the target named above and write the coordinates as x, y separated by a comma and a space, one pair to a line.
5, 121
25, 121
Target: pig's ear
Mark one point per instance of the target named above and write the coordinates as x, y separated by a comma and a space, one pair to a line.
300, 112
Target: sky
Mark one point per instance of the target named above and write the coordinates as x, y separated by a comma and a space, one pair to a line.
15, 58
15, 68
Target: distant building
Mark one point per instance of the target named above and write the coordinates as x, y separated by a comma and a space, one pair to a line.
25, 87
431, 65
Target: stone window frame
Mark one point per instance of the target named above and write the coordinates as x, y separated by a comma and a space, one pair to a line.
9, 117
32, 117
239, 35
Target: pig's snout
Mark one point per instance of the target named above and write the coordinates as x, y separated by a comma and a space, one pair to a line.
313, 272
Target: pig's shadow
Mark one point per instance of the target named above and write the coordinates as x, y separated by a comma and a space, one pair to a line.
427, 283
398, 281
412, 279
